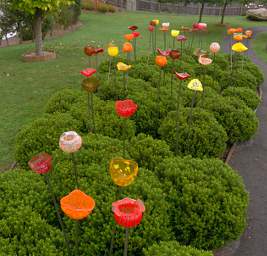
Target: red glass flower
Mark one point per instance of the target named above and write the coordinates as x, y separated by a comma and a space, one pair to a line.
125, 108
88, 72
200, 26
175, 54
151, 28
135, 34
182, 76
128, 212
165, 53
99, 50
41, 163
133, 28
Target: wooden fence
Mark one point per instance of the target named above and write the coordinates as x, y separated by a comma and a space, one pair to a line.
180, 8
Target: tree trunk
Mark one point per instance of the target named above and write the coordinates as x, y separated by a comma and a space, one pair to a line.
201, 11
223, 11
38, 32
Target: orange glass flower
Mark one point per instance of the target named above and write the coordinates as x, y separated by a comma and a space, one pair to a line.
128, 37
122, 171
239, 30
127, 47
161, 61
238, 37
231, 31
77, 205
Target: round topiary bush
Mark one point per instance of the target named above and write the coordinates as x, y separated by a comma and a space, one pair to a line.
208, 201
173, 248
26, 215
62, 101
199, 133
248, 96
43, 135
239, 121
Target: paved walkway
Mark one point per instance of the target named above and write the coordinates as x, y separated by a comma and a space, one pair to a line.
250, 160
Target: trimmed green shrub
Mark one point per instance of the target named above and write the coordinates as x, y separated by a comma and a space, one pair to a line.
248, 96
208, 201
96, 236
173, 248
239, 121
62, 101
147, 151
43, 135
26, 212
199, 133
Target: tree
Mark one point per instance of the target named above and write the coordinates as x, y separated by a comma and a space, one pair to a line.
38, 9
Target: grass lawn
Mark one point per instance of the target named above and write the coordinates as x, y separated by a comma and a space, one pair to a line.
260, 46
26, 87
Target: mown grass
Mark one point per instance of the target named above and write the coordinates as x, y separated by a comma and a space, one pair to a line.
26, 87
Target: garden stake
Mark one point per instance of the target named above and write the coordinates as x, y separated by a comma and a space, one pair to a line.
155, 44
126, 241
109, 68
91, 115
173, 43
77, 237
178, 93
74, 168
192, 106
164, 38
134, 43
50, 190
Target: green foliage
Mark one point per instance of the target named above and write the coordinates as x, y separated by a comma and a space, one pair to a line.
248, 96
199, 133
30, 6
239, 121
43, 135
25, 209
175, 249
148, 152
208, 201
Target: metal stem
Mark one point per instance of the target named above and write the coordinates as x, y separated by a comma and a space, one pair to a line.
126, 242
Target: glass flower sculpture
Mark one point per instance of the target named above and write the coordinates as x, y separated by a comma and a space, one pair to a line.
125, 108
122, 171
195, 85
41, 163
70, 142
77, 205
128, 212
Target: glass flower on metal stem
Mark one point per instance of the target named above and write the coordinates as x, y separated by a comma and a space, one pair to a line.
128, 213
90, 85
42, 164
77, 206
70, 142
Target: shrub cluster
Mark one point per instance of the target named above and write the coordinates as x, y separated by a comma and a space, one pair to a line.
198, 202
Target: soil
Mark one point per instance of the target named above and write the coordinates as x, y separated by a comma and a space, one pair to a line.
250, 160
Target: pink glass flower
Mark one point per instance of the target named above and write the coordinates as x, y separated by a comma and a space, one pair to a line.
182, 76
133, 28
41, 163
215, 47
200, 26
128, 212
70, 142
165, 53
151, 28
204, 60
88, 72
181, 38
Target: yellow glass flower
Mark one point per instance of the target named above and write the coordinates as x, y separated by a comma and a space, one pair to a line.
195, 85
113, 50
239, 47
122, 171
156, 22
123, 67
175, 33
